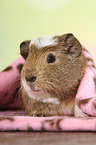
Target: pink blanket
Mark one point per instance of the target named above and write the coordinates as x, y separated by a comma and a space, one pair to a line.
13, 117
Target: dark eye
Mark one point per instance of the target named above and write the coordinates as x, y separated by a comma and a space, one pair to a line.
51, 58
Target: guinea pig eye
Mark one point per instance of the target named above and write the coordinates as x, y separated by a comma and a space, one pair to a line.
51, 58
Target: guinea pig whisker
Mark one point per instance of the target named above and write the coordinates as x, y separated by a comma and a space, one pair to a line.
21, 88
52, 87
48, 89
15, 87
56, 87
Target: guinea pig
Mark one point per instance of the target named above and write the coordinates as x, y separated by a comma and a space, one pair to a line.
51, 74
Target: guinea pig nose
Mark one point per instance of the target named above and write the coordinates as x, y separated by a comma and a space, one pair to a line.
30, 79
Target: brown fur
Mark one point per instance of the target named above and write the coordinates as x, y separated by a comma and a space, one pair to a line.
66, 74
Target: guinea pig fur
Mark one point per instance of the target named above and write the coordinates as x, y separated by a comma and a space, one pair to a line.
51, 74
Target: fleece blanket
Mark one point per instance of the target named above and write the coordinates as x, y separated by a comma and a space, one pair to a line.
14, 118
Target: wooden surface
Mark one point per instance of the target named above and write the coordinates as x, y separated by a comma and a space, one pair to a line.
47, 138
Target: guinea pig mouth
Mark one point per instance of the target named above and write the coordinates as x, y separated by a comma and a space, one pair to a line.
29, 88
36, 91
39, 95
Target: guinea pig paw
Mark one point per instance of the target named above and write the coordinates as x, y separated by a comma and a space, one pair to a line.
38, 115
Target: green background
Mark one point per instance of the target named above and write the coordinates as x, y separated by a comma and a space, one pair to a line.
24, 19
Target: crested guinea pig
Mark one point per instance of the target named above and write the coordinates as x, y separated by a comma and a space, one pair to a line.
51, 74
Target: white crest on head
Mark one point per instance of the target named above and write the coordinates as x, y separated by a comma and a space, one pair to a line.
40, 42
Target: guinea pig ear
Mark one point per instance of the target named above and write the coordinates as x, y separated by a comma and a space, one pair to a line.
24, 48
71, 44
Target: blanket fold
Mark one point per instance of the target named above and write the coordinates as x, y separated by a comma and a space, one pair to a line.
13, 117
20, 121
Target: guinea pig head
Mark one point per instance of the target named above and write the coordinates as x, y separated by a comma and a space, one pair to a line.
54, 66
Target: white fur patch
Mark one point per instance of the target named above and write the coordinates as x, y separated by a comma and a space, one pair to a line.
40, 42
27, 89
45, 98
51, 100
